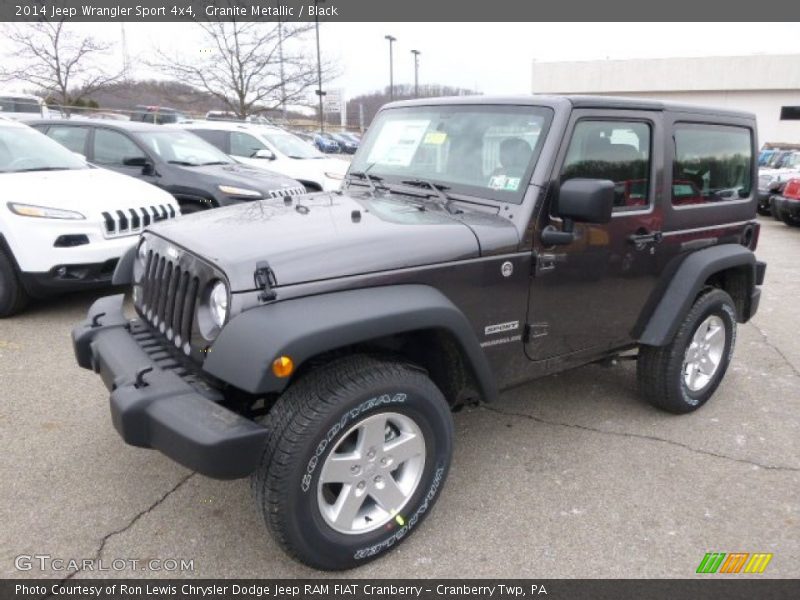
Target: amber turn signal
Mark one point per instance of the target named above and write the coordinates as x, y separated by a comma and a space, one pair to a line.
283, 366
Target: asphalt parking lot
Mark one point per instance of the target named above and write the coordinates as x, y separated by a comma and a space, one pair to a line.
569, 476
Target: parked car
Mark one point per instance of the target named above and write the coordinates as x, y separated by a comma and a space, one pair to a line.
786, 204
771, 180
274, 149
22, 106
479, 243
325, 143
157, 114
197, 174
222, 115
305, 136
346, 144
63, 223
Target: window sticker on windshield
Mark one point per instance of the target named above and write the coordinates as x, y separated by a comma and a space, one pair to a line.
503, 182
398, 142
435, 138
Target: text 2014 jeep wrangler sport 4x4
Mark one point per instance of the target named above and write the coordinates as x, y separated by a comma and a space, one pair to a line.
317, 343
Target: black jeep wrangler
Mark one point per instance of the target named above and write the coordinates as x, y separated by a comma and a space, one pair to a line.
318, 343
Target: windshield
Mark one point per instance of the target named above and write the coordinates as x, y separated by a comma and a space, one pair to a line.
183, 148
484, 151
291, 145
24, 149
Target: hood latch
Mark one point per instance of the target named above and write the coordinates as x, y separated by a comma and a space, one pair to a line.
264, 277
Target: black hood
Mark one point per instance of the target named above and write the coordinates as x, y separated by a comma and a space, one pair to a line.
239, 175
324, 236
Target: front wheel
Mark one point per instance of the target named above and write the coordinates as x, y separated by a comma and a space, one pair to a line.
13, 296
359, 451
681, 376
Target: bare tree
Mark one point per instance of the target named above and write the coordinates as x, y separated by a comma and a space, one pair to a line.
240, 65
56, 60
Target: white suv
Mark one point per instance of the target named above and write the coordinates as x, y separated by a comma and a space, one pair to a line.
64, 224
274, 149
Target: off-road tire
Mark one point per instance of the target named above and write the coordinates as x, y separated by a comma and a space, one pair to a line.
13, 297
307, 422
660, 370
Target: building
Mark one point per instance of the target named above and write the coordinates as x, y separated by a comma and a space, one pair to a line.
768, 86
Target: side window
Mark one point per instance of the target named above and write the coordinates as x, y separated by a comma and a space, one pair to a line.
244, 144
713, 163
615, 150
73, 138
113, 148
213, 137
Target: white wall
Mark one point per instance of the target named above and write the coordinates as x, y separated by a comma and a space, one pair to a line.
757, 84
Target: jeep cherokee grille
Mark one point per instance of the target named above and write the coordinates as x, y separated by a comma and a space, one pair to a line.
295, 191
130, 221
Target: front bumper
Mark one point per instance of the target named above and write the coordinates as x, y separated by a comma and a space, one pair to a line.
784, 206
157, 403
69, 277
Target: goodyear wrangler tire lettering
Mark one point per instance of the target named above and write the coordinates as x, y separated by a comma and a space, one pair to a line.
325, 414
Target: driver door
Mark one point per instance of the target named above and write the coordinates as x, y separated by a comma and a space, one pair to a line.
587, 294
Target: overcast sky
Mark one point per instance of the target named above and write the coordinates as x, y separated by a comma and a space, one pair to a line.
494, 58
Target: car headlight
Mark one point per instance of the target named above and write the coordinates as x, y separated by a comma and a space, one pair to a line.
237, 191
44, 212
218, 303
141, 261
334, 175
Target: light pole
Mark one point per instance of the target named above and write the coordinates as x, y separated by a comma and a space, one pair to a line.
416, 54
319, 92
280, 58
392, 40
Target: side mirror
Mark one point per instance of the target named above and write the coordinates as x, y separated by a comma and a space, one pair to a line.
135, 161
264, 153
139, 161
581, 201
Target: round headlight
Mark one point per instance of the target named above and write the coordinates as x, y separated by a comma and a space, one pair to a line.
140, 262
142, 252
218, 303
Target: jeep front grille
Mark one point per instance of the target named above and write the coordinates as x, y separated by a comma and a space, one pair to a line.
131, 221
295, 191
168, 300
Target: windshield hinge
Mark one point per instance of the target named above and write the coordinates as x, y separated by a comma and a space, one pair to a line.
264, 277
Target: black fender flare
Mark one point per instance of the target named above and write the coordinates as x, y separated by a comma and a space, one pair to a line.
301, 328
123, 272
685, 284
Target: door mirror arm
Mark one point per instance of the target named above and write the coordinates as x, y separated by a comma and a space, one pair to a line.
554, 237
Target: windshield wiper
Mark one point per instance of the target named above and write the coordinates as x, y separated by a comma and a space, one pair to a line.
214, 162
437, 188
370, 179
182, 163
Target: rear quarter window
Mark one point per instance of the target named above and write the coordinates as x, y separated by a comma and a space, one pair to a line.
713, 164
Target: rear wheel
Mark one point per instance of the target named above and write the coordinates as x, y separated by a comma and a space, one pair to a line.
681, 376
359, 451
13, 296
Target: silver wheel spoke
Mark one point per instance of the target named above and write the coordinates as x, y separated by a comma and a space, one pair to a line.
389, 496
714, 334
407, 446
347, 505
339, 468
372, 435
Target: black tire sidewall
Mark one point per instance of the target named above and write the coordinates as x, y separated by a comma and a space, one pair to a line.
716, 303
9, 287
313, 537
